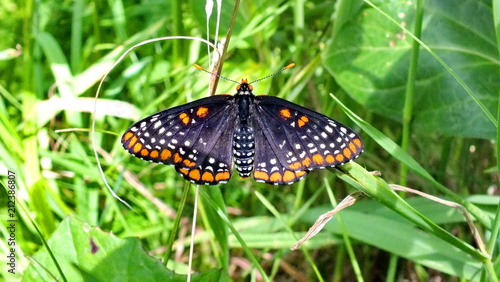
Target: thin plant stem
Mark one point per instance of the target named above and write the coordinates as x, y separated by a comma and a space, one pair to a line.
408, 107
218, 65
496, 223
193, 231
410, 88
345, 237
175, 229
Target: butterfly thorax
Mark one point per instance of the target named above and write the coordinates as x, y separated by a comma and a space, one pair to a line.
244, 97
244, 137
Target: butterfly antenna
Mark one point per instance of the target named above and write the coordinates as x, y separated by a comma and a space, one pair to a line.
281, 70
218, 75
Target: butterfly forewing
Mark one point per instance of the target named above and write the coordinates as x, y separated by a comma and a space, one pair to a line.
185, 137
303, 139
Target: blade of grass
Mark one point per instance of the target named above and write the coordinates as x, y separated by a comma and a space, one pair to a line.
277, 214
175, 229
244, 246
193, 232
76, 36
392, 148
380, 191
496, 223
410, 88
216, 227
345, 237
408, 107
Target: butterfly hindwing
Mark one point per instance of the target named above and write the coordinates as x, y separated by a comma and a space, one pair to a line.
267, 164
215, 166
185, 137
303, 139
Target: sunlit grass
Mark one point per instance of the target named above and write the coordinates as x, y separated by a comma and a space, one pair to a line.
243, 227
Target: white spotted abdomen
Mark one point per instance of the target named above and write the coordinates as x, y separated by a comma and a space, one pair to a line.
244, 149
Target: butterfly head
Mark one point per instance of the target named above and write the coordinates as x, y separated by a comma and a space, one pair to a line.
244, 87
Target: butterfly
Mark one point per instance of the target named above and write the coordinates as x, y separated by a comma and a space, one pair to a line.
277, 141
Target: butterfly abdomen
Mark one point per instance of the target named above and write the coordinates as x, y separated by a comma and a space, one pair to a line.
244, 149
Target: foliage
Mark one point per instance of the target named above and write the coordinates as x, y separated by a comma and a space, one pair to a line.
352, 49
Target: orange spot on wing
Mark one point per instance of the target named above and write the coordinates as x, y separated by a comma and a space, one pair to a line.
184, 171
154, 154
202, 112
295, 165
285, 113
207, 176
306, 162
165, 154
144, 152
330, 159
184, 118
222, 176
195, 174
347, 153
177, 158
258, 174
340, 158
352, 147
318, 159
302, 121
189, 163
289, 176
275, 177
132, 142
300, 173
127, 136
137, 147
357, 142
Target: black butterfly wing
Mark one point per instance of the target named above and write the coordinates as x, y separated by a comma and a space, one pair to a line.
195, 138
300, 140
267, 161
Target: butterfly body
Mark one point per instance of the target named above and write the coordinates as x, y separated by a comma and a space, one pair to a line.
277, 141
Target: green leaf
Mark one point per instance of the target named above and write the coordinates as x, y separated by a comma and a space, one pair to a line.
374, 227
379, 190
87, 253
370, 55
216, 225
58, 63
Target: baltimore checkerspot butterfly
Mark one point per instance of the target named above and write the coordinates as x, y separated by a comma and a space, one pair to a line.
276, 140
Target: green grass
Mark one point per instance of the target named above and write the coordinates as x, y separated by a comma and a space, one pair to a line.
434, 130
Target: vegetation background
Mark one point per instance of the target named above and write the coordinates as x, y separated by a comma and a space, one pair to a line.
439, 101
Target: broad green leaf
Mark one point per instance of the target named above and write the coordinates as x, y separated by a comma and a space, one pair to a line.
87, 253
372, 223
369, 58
406, 241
